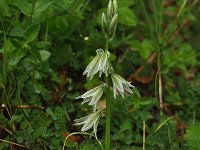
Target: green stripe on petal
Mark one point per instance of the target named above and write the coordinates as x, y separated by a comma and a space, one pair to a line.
117, 83
88, 93
103, 60
91, 64
86, 100
97, 96
128, 89
114, 91
80, 120
120, 78
90, 121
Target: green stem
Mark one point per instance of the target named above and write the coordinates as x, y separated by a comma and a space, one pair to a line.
49, 14
107, 45
4, 61
108, 107
108, 116
46, 32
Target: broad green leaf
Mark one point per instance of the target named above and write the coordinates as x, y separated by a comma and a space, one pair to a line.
127, 16
146, 49
24, 6
8, 48
34, 55
193, 137
17, 56
4, 8
32, 32
16, 43
44, 54
17, 31
41, 6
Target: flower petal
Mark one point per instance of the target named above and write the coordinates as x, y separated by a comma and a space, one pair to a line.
114, 91
117, 83
103, 60
121, 93
97, 96
120, 84
90, 121
128, 89
95, 127
80, 120
120, 78
86, 100
91, 64
99, 63
88, 93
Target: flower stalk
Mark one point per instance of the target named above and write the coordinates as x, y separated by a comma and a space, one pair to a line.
101, 64
108, 115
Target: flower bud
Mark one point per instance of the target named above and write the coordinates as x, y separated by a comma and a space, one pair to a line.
112, 27
115, 6
104, 23
109, 10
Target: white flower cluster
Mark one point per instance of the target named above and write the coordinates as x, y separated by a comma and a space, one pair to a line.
121, 85
100, 63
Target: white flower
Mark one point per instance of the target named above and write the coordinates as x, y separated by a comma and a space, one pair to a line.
120, 85
92, 96
99, 63
89, 122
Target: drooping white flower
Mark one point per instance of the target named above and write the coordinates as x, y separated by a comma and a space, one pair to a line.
99, 63
92, 96
120, 85
89, 121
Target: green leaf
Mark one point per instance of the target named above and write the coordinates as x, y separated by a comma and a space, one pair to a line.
35, 55
75, 6
192, 137
4, 8
146, 49
41, 6
50, 112
127, 17
20, 139
8, 47
32, 32
17, 31
17, 55
16, 43
44, 54
24, 6
125, 3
